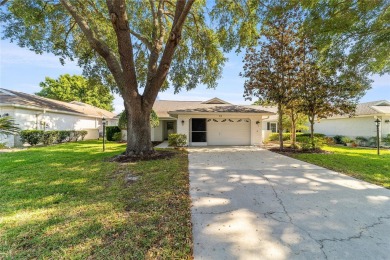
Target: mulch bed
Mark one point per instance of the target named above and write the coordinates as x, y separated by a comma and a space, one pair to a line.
157, 155
287, 151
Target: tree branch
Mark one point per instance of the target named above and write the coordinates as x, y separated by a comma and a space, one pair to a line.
152, 88
97, 44
118, 14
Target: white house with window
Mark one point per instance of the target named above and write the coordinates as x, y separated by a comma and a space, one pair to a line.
211, 122
34, 112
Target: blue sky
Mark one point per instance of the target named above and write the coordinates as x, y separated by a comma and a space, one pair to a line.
23, 70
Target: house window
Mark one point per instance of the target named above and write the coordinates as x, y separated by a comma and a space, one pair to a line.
170, 126
272, 126
198, 130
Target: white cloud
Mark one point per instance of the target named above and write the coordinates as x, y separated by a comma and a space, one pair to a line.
13, 55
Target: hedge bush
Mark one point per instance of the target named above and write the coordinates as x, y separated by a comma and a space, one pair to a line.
338, 139
34, 137
306, 144
286, 136
63, 136
177, 140
117, 137
110, 131
49, 137
275, 136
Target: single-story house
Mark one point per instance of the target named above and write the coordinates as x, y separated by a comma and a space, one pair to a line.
361, 124
211, 122
34, 112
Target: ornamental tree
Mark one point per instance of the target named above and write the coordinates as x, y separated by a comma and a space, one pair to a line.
138, 46
271, 69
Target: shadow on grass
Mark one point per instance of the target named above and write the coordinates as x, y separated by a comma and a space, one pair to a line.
68, 201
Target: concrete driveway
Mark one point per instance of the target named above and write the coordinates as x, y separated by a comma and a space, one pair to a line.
249, 203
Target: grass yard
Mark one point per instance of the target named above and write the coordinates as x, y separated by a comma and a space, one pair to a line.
65, 201
361, 163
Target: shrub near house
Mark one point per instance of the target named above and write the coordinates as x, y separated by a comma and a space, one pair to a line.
34, 137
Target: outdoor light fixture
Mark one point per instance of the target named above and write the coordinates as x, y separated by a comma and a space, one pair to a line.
377, 123
104, 121
257, 122
182, 122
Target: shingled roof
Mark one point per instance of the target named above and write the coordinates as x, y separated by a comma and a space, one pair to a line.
166, 108
374, 107
20, 99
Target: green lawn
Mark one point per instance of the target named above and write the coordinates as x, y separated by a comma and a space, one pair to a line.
361, 163
67, 201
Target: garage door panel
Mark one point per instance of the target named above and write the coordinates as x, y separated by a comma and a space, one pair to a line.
228, 131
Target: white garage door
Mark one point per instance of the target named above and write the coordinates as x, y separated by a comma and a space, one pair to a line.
234, 131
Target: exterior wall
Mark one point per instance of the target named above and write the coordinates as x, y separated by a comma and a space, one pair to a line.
38, 119
351, 127
256, 133
157, 132
385, 125
9, 141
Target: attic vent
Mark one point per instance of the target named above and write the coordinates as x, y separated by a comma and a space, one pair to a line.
215, 101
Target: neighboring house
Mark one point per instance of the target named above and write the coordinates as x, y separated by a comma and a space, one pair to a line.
34, 112
212, 122
361, 124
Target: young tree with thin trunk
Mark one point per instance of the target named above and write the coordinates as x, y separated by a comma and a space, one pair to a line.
138, 46
271, 69
328, 88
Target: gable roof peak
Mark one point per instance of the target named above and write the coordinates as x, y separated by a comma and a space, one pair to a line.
216, 101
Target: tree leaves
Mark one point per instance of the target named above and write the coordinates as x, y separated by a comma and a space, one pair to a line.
77, 88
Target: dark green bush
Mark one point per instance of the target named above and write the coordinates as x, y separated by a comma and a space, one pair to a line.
372, 141
362, 141
76, 135
63, 136
110, 131
346, 140
286, 136
117, 137
308, 134
177, 140
83, 133
49, 137
386, 139
306, 144
338, 139
32, 137
275, 136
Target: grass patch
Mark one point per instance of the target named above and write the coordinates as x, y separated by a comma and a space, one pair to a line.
67, 201
361, 163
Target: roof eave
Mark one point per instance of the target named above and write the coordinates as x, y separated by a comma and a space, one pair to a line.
50, 110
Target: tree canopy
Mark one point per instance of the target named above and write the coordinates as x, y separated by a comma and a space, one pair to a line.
141, 47
77, 88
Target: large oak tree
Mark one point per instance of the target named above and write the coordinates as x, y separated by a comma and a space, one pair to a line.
139, 46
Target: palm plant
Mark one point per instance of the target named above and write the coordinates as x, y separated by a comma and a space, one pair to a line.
8, 126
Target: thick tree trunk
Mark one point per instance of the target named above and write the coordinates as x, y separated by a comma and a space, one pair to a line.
138, 130
280, 126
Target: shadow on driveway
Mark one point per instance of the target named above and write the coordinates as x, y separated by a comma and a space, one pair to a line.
249, 203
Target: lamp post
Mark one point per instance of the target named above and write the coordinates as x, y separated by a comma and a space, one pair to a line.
104, 133
377, 123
